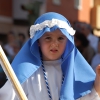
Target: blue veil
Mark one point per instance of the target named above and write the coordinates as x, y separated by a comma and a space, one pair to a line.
79, 76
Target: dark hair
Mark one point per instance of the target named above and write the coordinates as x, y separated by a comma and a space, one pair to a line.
21, 34
11, 33
82, 38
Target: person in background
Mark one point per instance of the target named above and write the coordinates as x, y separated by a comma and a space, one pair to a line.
87, 30
96, 58
16, 48
21, 39
84, 47
11, 39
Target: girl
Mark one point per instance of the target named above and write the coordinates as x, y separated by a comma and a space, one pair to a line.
50, 67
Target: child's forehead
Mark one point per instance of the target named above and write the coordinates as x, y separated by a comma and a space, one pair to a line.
55, 32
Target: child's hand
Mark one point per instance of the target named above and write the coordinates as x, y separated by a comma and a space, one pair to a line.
97, 80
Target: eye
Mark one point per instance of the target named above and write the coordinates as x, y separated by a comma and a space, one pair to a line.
60, 38
48, 38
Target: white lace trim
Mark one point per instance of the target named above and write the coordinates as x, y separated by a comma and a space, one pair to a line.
51, 23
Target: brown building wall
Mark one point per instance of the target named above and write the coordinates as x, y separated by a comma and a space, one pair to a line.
70, 12
84, 13
6, 8
96, 2
66, 8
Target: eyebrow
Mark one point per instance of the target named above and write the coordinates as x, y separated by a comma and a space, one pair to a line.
49, 34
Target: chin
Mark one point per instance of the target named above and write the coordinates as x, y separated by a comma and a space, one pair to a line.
51, 59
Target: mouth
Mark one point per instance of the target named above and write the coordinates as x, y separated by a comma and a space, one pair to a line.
54, 50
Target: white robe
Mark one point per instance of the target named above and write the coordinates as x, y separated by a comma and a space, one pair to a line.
35, 87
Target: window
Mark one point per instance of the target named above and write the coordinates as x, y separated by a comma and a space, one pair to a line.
56, 2
78, 4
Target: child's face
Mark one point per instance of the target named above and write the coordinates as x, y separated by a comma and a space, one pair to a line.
52, 45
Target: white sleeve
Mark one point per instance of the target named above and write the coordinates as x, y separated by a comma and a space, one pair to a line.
7, 92
91, 96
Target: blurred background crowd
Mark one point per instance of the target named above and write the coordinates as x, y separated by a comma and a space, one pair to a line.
17, 16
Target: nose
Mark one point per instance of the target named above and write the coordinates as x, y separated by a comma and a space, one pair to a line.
54, 43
